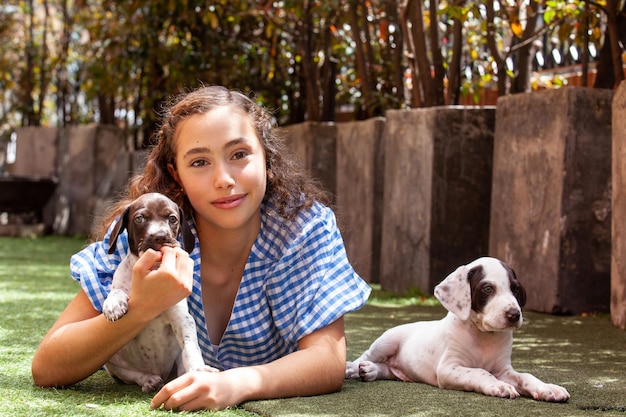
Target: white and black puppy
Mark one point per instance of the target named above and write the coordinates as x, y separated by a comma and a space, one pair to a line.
470, 348
168, 345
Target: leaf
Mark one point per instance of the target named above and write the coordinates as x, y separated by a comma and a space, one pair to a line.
517, 29
211, 19
549, 15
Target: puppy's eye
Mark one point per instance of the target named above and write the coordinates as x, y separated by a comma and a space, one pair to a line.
487, 289
173, 219
139, 219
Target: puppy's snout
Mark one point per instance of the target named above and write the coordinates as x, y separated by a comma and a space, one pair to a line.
159, 239
513, 315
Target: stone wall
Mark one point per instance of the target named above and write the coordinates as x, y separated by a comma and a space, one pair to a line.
315, 144
551, 205
346, 159
437, 192
421, 191
360, 159
618, 236
91, 163
36, 153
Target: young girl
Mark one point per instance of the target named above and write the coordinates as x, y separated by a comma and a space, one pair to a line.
268, 281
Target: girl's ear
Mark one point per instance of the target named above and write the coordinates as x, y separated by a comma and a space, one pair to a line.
173, 173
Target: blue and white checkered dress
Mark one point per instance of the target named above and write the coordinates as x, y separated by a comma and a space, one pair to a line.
297, 280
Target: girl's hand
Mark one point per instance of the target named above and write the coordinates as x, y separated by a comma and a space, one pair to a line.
317, 367
198, 390
155, 290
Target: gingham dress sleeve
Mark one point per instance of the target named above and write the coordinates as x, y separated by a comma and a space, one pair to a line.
313, 284
93, 267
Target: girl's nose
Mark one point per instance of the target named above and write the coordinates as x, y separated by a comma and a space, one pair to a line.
223, 177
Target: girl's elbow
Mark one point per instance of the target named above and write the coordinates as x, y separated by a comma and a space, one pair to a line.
336, 377
42, 374
336, 384
40, 377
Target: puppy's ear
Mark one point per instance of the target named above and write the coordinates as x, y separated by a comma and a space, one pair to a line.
122, 223
454, 293
517, 288
520, 294
189, 241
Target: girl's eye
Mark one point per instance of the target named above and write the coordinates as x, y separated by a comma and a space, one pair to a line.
199, 163
239, 155
139, 219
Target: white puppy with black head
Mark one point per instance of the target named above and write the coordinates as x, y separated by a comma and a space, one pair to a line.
470, 348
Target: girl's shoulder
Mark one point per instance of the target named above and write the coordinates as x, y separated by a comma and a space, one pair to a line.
306, 218
313, 223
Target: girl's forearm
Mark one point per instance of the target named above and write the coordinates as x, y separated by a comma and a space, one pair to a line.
76, 347
318, 367
303, 373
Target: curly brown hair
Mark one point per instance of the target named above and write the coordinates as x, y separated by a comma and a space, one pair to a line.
288, 185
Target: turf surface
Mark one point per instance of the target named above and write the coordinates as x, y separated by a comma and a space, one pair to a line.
587, 355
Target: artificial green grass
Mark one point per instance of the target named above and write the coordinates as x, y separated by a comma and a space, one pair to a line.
35, 287
587, 355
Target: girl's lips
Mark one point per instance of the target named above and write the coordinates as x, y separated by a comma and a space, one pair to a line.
229, 202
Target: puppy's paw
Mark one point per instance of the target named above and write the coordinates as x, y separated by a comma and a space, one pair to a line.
151, 383
116, 305
550, 392
368, 371
501, 389
352, 370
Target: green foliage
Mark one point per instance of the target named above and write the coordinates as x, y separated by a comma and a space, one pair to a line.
575, 20
116, 62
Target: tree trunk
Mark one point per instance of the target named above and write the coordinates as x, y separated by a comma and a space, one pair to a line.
418, 52
493, 47
584, 60
362, 66
454, 71
372, 102
44, 78
394, 55
309, 68
416, 93
329, 72
26, 81
521, 82
63, 113
610, 67
437, 98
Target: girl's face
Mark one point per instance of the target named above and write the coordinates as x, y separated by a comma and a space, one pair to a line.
220, 164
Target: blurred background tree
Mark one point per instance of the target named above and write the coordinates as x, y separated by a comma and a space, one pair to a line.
66, 62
